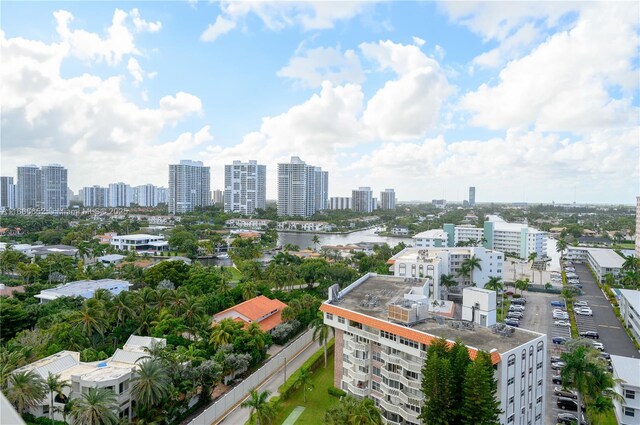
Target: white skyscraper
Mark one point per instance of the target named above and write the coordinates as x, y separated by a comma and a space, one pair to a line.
302, 189
7, 193
245, 187
95, 196
362, 199
189, 186
54, 187
120, 195
163, 195
388, 199
29, 187
146, 195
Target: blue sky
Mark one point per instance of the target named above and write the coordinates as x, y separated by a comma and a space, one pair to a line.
526, 101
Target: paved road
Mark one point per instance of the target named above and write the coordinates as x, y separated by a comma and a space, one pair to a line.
240, 416
604, 321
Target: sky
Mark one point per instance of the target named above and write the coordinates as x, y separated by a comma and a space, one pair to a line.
528, 102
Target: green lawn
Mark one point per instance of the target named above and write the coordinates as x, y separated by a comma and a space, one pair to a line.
318, 400
235, 274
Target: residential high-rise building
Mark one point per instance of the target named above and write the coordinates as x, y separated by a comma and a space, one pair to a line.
95, 196
7, 193
245, 187
388, 199
340, 203
362, 199
120, 195
55, 195
29, 187
302, 189
218, 197
162, 194
472, 196
189, 186
383, 327
145, 195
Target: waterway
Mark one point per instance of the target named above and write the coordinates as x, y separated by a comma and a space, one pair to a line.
304, 240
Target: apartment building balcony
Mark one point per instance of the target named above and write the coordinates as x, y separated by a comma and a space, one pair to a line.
360, 346
405, 364
362, 391
359, 376
359, 362
392, 408
363, 333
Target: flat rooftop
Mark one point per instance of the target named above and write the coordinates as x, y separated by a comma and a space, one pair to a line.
80, 287
606, 257
626, 368
137, 237
633, 297
391, 289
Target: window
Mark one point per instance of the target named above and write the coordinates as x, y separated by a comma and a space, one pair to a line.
412, 375
511, 400
511, 381
375, 385
539, 399
539, 366
45, 409
630, 394
512, 361
629, 411
377, 356
388, 335
329, 316
510, 419
341, 320
376, 371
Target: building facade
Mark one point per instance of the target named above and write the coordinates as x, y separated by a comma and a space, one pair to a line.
627, 377
7, 193
145, 195
54, 187
302, 188
463, 234
388, 199
218, 197
95, 196
472, 196
362, 200
629, 301
245, 187
120, 195
139, 242
430, 238
602, 261
29, 187
381, 342
189, 186
340, 203
638, 227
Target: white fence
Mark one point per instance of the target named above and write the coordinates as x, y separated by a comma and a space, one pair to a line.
218, 409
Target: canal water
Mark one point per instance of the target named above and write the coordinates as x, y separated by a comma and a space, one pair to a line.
304, 240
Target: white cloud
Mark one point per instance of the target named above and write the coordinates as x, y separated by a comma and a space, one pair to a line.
564, 83
510, 48
312, 15
135, 70
418, 41
142, 25
407, 107
324, 64
215, 30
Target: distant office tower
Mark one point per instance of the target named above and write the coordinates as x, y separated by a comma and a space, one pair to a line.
95, 196
29, 187
218, 197
439, 203
302, 189
388, 199
163, 194
245, 187
189, 186
340, 203
362, 199
7, 193
120, 195
472, 196
55, 195
145, 195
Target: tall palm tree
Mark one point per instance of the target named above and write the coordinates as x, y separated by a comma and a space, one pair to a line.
96, 407
469, 265
26, 389
304, 381
259, 406
256, 334
123, 307
150, 385
494, 283
321, 331
561, 246
54, 385
316, 241
221, 332
448, 280
89, 319
522, 284
249, 290
9, 361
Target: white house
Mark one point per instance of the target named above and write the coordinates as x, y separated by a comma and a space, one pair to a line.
140, 242
430, 238
627, 370
83, 288
629, 302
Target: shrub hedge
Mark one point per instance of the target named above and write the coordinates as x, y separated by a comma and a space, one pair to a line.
336, 392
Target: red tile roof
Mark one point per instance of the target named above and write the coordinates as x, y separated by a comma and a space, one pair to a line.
255, 309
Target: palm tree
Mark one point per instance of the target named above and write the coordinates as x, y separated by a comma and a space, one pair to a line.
316, 241
351, 411
561, 246
494, 284
221, 332
54, 385
150, 385
9, 361
304, 380
256, 334
522, 285
90, 318
96, 407
249, 290
469, 265
259, 406
448, 280
26, 389
288, 314
123, 307
321, 331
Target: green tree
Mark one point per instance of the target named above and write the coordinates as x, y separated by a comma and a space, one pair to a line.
522, 285
561, 246
480, 405
26, 389
351, 411
321, 331
494, 284
260, 407
448, 280
150, 385
436, 387
54, 385
96, 407
316, 241
304, 381
469, 265
459, 355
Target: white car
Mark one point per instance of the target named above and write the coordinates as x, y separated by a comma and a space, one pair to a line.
561, 323
581, 304
564, 316
584, 311
598, 345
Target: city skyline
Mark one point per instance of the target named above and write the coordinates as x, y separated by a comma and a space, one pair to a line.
533, 102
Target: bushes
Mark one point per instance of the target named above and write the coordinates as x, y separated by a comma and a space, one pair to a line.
311, 364
42, 420
336, 392
285, 331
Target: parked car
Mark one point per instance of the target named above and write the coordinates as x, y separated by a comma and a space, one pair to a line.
508, 292
516, 308
558, 365
559, 391
590, 334
605, 356
569, 419
514, 315
584, 311
512, 322
566, 403
520, 301
556, 379
554, 359
561, 316
581, 304
576, 285
563, 323
557, 303
559, 310
598, 345
559, 340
